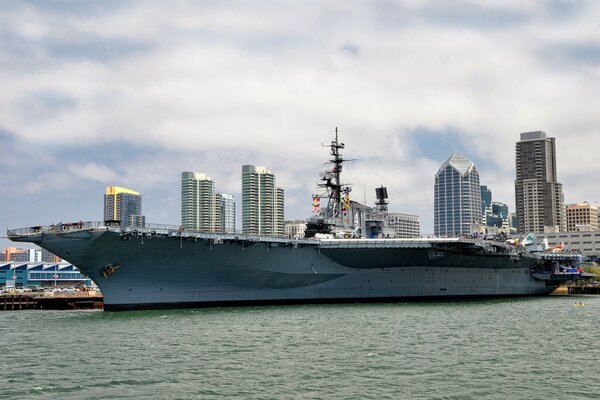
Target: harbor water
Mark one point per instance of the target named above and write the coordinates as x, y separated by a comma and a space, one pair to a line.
527, 348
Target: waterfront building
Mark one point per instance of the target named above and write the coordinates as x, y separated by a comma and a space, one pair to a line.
294, 228
457, 201
486, 198
584, 242
123, 206
582, 216
262, 202
404, 225
227, 213
539, 197
28, 255
22, 274
15, 254
200, 205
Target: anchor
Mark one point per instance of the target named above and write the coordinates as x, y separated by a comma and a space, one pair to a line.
109, 270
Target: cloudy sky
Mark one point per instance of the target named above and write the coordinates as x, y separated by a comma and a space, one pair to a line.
133, 93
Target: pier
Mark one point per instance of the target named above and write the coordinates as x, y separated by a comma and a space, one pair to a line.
37, 301
584, 289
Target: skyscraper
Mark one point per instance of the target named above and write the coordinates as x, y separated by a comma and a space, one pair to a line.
486, 198
123, 206
200, 206
262, 202
497, 215
539, 197
278, 213
227, 213
457, 203
500, 209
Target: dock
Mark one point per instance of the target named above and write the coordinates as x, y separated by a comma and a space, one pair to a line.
584, 289
44, 301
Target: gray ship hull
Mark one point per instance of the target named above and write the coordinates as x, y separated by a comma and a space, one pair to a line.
144, 271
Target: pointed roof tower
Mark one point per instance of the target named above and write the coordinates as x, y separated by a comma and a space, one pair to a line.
460, 163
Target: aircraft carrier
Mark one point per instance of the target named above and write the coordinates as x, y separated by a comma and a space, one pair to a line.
347, 257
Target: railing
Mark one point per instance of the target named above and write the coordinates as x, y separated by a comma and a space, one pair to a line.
147, 229
60, 227
84, 294
171, 229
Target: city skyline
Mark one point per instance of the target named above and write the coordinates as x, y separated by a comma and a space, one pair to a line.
132, 94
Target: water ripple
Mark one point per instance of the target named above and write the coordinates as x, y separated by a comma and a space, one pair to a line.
503, 349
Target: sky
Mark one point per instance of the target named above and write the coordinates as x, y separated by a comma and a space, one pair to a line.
132, 93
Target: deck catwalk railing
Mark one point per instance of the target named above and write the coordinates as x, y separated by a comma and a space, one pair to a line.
146, 230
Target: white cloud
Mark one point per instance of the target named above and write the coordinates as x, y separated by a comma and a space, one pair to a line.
209, 87
95, 172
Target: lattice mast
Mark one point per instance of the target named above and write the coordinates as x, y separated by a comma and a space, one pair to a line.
335, 191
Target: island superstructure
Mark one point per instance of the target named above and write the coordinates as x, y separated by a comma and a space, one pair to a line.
348, 256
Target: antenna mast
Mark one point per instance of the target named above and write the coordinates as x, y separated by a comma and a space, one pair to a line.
332, 180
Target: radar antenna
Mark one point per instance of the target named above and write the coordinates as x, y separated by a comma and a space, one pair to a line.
382, 195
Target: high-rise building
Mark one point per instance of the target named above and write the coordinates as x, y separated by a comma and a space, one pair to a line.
123, 206
262, 202
582, 217
539, 197
486, 198
513, 222
200, 205
500, 209
405, 225
279, 212
496, 214
227, 213
457, 202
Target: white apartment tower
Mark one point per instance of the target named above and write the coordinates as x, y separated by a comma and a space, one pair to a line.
200, 206
227, 213
262, 202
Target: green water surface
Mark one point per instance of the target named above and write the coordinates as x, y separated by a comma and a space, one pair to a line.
534, 348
